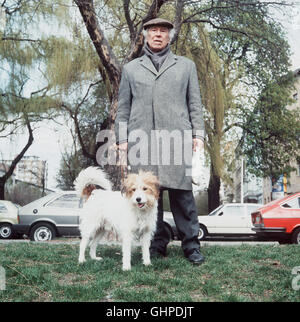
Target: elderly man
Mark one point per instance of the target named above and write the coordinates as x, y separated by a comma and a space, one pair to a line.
159, 93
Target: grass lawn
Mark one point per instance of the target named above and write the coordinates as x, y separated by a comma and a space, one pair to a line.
47, 272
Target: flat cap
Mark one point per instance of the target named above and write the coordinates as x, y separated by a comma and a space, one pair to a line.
158, 22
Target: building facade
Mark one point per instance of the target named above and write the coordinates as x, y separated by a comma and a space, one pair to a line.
30, 169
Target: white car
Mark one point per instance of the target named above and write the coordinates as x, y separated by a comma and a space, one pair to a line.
8, 217
232, 219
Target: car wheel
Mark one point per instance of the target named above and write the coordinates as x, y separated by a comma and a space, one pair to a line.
296, 236
202, 232
6, 231
42, 232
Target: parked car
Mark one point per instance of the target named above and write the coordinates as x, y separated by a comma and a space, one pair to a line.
56, 214
279, 220
232, 219
8, 217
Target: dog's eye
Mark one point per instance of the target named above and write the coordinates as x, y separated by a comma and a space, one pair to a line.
133, 189
145, 188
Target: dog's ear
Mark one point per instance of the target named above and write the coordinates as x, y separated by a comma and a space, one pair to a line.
126, 183
129, 182
152, 180
157, 189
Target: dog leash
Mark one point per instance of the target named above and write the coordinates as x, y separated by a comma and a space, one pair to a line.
123, 164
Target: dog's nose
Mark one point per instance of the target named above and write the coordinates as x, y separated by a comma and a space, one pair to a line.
138, 199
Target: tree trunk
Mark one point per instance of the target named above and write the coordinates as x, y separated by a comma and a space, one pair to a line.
14, 163
213, 191
115, 172
104, 51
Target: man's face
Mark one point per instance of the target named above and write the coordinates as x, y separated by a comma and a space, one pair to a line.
158, 38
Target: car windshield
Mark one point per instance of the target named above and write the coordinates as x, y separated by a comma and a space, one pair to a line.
215, 211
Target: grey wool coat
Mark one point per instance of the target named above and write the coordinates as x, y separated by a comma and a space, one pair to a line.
158, 114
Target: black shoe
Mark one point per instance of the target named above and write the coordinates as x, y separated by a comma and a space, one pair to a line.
157, 253
195, 257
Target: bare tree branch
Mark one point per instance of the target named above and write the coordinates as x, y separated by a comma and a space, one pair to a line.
19, 39
228, 28
14, 163
74, 115
129, 20
101, 44
178, 18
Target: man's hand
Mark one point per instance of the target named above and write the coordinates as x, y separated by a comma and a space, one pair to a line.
197, 143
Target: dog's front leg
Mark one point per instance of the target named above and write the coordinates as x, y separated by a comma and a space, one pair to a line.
145, 243
126, 250
83, 244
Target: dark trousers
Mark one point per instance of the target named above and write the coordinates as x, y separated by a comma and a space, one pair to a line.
183, 207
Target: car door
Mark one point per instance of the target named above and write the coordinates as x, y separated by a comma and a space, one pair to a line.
63, 210
289, 214
3, 209
231, 220
3, 213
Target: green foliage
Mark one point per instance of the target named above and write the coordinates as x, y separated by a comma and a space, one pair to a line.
69, 62
198, 47
272, 131
259, 42
71, 164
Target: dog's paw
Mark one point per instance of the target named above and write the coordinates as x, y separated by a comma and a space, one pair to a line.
126, 268
81, 260
147, 263
97, 258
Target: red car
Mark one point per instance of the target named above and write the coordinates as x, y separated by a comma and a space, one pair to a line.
279, 219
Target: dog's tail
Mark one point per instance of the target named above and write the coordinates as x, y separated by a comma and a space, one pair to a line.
88, 179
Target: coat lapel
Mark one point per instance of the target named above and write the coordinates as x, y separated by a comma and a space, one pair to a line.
147, 63
170, 61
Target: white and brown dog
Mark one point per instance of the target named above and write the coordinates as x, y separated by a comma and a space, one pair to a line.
130, 214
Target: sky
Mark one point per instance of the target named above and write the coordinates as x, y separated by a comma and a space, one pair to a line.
292, 26
50, 139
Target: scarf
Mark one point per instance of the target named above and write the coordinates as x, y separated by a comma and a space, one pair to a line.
157, 58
